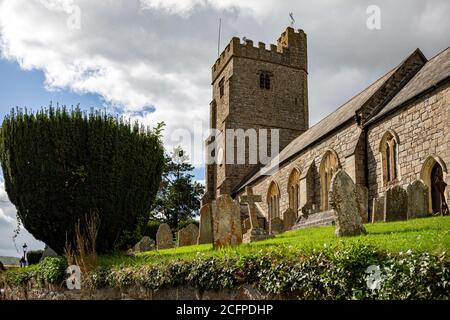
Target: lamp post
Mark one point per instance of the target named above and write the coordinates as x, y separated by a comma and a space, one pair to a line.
24, 247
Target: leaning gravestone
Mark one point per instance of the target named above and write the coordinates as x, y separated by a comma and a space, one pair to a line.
205, 229
146, 244
276, 226
395, 204
344, 200
417, 199
164, 237
227, 229
188, 235
289, 218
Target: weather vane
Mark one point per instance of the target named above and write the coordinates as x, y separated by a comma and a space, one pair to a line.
291, 15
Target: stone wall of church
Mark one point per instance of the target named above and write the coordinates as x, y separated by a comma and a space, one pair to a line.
343, 142
280, 104
423, 130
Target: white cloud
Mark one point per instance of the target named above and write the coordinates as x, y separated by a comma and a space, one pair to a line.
8, 223
186, 7
4, 219
158, 53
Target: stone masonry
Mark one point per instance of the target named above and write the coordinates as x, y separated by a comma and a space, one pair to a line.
410, 104
244, 105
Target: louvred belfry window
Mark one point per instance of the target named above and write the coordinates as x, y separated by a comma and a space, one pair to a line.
264, 80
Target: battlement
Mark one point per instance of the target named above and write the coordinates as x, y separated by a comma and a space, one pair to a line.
290, 51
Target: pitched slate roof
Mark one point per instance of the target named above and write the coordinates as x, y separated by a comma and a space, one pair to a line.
435, 70
337, 118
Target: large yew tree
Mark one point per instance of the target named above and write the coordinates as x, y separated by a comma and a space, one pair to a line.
60, 165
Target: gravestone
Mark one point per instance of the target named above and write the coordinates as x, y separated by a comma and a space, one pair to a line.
188, 236
146, 244
344, 200
246, 225
276, 226
205, 230
378, 209
254, 233
395, 204
227, 229
164, 237
363, 202
289, 218
417, 199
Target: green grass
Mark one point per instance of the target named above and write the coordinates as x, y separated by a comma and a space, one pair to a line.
426, 234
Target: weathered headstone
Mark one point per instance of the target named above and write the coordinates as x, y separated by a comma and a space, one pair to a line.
395, 204
344, 200
289, 218
164, 237
363, 202
205, 230
378, 209
146, 244
276, 225
226, 222
188, 236
417, 199
254, 233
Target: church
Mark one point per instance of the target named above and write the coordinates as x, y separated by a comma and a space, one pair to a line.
388, 138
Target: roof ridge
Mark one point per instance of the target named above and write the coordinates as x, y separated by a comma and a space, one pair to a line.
288, 151
438, 54
366, 88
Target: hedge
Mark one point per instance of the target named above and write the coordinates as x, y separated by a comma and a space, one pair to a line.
325, 274
33, 257
61, 166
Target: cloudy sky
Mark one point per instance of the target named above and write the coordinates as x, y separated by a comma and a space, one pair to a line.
151, 59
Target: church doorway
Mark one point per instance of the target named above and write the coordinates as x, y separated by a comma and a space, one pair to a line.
436, 172
432, 174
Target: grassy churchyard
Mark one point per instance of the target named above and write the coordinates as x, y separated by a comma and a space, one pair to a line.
303, 264
430, 235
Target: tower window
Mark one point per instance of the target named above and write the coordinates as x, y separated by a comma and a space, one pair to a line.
222, 87
264, 80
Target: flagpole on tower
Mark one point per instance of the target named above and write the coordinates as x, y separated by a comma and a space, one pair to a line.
218, 42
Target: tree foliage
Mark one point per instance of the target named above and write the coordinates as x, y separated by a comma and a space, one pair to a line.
61, 165
34, 256
178, 198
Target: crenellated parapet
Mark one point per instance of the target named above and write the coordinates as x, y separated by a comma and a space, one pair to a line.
290, 50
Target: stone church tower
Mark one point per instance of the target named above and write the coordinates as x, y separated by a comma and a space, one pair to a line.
256, 88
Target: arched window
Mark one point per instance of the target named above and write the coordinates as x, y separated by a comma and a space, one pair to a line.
388, 150
273, 201
293, 189
328, 167
264, 80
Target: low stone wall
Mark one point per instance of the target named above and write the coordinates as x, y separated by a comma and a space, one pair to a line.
244, 292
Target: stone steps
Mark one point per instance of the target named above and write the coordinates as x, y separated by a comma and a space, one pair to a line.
325, 218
